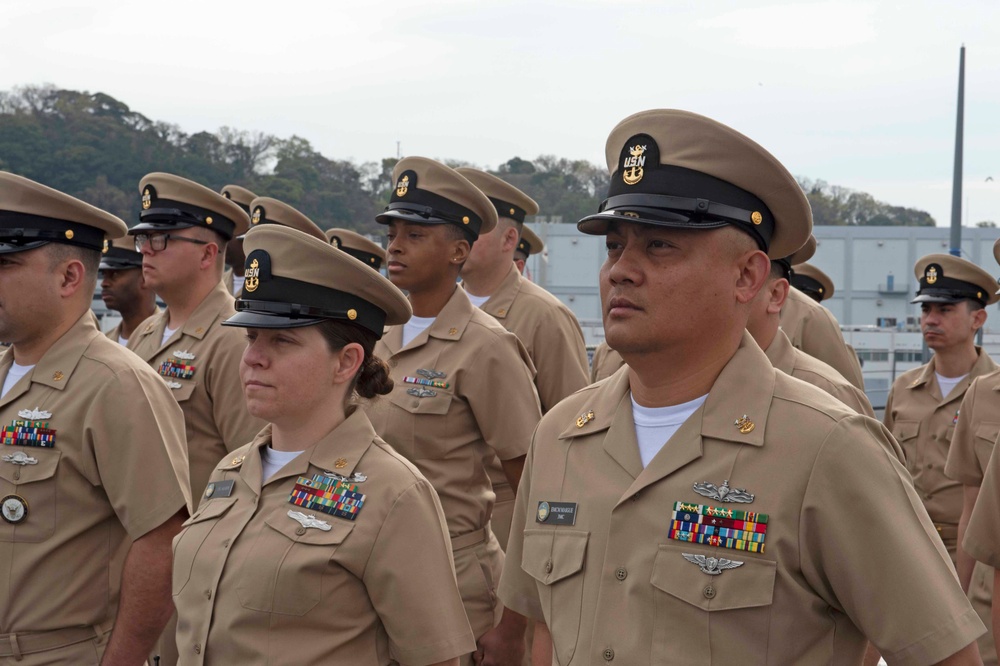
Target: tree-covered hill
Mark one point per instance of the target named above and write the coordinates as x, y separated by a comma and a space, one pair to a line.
95, 147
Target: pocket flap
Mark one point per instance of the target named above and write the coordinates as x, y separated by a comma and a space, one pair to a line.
553, 554
748, 585
903, 430
431, 404
180, 389
211, 509
44, 467
988, 431
280, 521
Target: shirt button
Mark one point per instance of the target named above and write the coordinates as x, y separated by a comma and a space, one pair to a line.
608, 654
548, 566
208, 594
635, 498
197, 648
300, 530
225, 544
621, 573
17, 474
709, 592
929, 466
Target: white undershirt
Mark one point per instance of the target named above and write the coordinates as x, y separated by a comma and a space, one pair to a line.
654, 426
238, 281
415, 327
14, 375
948, 384
271, 461
122, 341
478, 301
167, 332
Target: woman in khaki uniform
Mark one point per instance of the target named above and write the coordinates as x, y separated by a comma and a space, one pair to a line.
316, 543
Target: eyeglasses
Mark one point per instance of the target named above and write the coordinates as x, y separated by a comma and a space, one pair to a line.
158, 242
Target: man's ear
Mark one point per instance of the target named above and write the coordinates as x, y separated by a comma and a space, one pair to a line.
754, 267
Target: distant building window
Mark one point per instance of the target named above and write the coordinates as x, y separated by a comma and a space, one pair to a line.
909, 356
876, 384
873, 355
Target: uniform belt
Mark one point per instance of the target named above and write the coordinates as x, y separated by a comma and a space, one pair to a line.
503, 492
470, 539
16, 645
947, 530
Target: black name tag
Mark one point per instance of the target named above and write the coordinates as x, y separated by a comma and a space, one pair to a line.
219, 489
556, 513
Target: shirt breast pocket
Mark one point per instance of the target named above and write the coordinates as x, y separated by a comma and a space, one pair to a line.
986, 438
415, 418
906, 433
182, 390
189, 542
730, 608
287, 567
555, 559
29, 495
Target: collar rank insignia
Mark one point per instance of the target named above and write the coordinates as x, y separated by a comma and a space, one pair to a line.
328, 495
421, 392
177, 370
713, 566
34, 414
585, 419
718, 526
436, 383
431, 374
723, 493
309, 521
183, 355
19, 458
745, 425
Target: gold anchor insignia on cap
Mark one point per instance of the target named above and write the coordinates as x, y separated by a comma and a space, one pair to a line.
340, 463
632, 166
403, 186
931, 275
256, 215
584, 419
147, 199
745, 425
629, 213
252, 276
335, 241
104, 250
756, 217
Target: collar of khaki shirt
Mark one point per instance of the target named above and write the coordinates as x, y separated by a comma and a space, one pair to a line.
217, 302
450, 324
337, 452
744, 388
59, 361
500, 302
984, 365
781, 353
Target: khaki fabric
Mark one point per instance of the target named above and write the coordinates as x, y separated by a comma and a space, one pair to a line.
841, 511
114, 333
117, 470
798, 364
252, 585
488, 408
813, 329
922, 421
605, 363
553, 339
215, 413
227, 279
968, 457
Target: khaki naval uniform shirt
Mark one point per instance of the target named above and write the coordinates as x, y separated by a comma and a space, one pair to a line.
552, 337
922, 421
813, 329
605, 363
801, 365
253, 585
201, 365
103, 463
483, 404
968, 458
843, 541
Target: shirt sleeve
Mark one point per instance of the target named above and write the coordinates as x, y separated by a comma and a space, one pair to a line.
963, 464
413, 589
870, 550
888, 420
560, 358
229, 408
503, 368
982, 537
822, 339
136, 431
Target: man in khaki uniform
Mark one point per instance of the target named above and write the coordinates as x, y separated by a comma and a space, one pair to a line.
86, 546
463, 385
182, 234
763, 325
812, 282
982, 538
232, 277
923, 404
606, 362
547, 328
528, 244
123, 288
701, 506
364, 250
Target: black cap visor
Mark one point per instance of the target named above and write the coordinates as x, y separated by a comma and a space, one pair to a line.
154, 227
944, 296
262, 319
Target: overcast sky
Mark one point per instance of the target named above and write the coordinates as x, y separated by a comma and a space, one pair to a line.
860, 94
